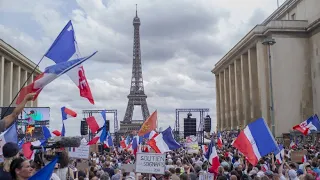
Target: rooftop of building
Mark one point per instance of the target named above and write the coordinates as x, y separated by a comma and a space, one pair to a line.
18, 55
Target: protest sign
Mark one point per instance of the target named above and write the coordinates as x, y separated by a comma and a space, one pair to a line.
297, 156
150, 163
81, 152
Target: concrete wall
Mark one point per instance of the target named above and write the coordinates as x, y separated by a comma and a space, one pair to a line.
304, 10
291, 79
315, 70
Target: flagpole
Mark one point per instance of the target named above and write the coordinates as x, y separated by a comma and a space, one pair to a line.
15, 97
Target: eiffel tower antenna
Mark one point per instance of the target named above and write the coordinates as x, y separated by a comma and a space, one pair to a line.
136, 10
136, 97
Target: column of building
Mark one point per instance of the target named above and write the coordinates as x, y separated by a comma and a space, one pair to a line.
238, 92
245, 90
8, 82
222, 103
16, 80
1, 80
218, 102
227, 99
232, 97
255, 108
263, 83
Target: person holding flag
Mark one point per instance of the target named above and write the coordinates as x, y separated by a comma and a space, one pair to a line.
8, 120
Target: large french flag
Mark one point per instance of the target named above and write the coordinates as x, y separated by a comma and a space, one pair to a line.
312, 123
213, 158
67, 113
96, 122
62, 49
50, 73
255, 141
164, 142
10, 135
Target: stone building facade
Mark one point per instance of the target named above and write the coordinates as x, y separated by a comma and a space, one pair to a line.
15, 69
242, 75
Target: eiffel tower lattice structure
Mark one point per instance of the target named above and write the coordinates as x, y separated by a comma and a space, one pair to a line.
137, 97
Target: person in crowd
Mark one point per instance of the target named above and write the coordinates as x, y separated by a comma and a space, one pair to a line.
10, 151
63, 170
20, 169
8, 120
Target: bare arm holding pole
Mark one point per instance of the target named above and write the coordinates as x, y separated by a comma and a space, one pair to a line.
8, 120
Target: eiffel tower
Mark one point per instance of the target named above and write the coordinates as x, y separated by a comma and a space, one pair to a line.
137, 97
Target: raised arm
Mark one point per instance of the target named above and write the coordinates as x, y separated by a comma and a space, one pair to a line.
8, 120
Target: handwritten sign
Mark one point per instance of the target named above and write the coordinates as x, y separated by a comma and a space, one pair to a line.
151, 163
81, 152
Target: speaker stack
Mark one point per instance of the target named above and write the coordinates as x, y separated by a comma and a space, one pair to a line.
84, 127
190, 126
108, 125
207, 123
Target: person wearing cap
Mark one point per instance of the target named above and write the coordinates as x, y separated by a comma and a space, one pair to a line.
10, 151
8, 120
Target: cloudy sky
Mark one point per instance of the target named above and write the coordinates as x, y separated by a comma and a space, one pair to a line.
181, 40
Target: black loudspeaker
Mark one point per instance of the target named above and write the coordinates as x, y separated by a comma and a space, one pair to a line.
190, 127
84, 128
108, 125
207, 123
37, 132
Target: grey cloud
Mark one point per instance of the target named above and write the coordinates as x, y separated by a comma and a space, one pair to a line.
178, 50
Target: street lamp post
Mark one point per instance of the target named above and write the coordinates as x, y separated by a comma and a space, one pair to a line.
269, 42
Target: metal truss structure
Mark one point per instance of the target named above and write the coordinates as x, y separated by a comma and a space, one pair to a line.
88, 113
200, 132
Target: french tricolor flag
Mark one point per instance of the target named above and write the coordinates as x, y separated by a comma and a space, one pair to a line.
150, 134
50, 73
304, 159
123, 143
308, 125
213, 158
164, 142
292, 145
280, 154
255, 141
219, 140
96, 122
108, 142
10, 135
100, 137
26, 147
135, 144
67, 113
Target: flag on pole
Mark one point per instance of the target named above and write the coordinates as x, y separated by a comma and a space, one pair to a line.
312, 123
149, 125
212, 157
50, 73
10, 135
255, 141
67, 113
62, 49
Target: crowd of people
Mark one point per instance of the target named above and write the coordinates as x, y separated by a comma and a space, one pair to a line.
180, 164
